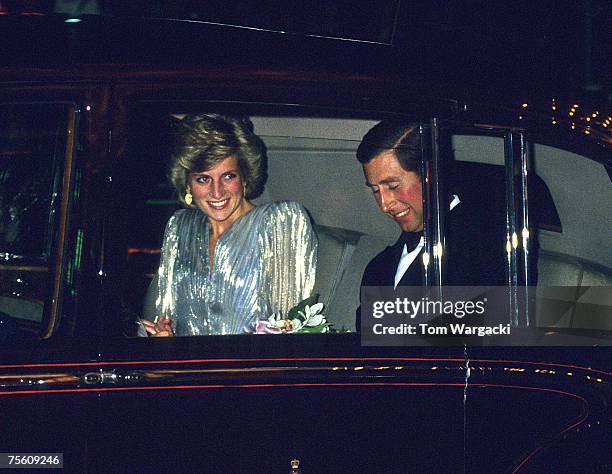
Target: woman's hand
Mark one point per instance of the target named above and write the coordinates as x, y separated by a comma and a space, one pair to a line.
161, 328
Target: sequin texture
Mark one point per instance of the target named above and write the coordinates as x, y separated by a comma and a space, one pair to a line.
265, 263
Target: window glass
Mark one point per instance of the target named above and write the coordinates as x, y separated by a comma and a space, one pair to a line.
312, 160
372, 21
568, 197
578, 252
475, 228
33, 144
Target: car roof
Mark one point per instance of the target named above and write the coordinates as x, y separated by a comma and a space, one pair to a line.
358, 75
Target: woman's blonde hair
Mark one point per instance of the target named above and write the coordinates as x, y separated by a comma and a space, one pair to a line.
206, 139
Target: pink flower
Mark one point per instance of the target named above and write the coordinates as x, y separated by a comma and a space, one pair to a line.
263, 326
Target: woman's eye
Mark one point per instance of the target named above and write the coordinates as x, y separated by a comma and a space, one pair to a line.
393, 186
229, 176
203, 179
374, 190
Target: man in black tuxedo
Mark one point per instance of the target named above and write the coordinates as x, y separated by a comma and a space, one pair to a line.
475, 234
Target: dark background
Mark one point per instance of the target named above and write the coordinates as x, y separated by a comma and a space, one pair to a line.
554, 48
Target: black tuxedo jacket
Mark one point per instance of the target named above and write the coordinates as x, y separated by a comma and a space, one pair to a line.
475, 243
472, 258
475, 251
475, 254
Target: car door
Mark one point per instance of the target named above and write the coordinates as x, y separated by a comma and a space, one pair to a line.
45, 138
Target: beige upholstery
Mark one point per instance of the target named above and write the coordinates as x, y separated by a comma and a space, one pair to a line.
343, 256
342, 308
584, 308
336, 247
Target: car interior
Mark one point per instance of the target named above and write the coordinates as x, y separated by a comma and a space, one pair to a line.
311, 160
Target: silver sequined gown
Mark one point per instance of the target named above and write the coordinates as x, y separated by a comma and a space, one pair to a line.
264, 263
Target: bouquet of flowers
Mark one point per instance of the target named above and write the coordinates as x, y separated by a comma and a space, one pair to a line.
305, 317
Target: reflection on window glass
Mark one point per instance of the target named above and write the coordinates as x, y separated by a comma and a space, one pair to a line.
32, 150
369, 20
31, 143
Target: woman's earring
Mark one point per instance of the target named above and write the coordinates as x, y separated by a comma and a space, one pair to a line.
188, 198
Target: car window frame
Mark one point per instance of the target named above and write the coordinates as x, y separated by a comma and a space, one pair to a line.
60, 210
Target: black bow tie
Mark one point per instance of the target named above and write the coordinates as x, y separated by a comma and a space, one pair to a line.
411, 239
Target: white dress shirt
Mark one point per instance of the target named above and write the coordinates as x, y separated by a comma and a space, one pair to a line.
408, 258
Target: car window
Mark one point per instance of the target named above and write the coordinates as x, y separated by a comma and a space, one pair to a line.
578, 253
568, 197
311, 160
35, 143
475, 173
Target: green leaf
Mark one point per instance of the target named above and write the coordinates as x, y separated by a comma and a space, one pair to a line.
294, 313
313, 329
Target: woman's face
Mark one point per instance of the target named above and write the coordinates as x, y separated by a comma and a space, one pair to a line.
219, 191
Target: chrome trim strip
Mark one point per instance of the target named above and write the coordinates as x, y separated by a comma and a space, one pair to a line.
510, 139
71, 131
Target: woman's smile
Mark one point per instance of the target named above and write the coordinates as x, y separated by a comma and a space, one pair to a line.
219, 205
219, 193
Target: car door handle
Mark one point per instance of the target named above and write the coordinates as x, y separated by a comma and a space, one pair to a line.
110, 377
100, 378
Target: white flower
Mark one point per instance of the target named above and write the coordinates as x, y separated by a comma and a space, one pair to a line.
310, 317
313, 316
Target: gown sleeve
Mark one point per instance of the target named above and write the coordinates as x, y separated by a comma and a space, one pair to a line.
290, 253
165, 304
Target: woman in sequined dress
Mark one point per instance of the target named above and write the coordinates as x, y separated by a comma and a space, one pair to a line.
225, 262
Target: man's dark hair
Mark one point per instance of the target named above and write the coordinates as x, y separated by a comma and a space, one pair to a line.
400, 136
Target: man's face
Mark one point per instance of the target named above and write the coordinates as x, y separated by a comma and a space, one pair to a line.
398, 192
